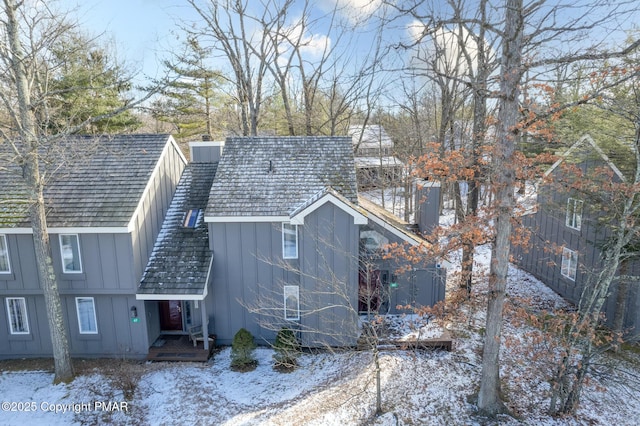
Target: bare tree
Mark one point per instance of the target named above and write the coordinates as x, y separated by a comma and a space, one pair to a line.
29, 33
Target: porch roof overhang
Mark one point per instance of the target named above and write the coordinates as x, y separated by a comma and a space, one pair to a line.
189, 290
172, 294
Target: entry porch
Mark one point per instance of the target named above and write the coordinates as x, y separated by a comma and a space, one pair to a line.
180, 347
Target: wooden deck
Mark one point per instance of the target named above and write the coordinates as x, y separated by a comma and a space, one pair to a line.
444, 342
172, 347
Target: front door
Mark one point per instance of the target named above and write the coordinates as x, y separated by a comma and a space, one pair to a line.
170, 315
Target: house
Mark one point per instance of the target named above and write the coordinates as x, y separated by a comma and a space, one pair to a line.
567, 236
375, 160
106, 201
256, 233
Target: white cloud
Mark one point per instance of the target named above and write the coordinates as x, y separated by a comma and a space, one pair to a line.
356, 11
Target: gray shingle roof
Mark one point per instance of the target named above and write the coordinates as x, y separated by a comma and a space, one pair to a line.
92, 181
273, 176
180, 259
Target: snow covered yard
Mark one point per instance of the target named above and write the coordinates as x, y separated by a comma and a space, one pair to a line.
418, 387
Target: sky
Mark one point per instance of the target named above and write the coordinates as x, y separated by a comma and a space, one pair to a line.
140, 29
144, 30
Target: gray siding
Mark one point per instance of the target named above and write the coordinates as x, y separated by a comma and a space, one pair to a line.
149, 220
427, 204
329, 244
542, 257
249, 274
244, 276
112, 265
423, 285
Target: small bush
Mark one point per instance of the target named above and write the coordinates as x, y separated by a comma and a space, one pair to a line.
242, 347
287, 350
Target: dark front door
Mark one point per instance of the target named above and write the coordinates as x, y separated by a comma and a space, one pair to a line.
369, 291
170, 315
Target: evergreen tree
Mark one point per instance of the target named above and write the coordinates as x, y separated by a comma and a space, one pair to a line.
192, 95
86, 83
287, 349
242, 348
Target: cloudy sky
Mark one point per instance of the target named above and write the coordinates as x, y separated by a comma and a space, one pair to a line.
143, 30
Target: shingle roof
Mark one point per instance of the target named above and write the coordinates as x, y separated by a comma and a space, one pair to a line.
180, 259
272, 176
92, 181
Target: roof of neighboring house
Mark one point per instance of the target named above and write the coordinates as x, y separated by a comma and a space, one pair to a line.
581, 150
181, 258
373, 136
373, 162
91, 181
274, 176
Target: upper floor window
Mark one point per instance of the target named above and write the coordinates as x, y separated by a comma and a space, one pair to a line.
289, 241
70, 253
574, 213
5, 267
87, 322
17, 312
569, 263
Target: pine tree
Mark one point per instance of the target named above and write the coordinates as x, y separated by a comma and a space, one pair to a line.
242, 347
192, 94
287, 349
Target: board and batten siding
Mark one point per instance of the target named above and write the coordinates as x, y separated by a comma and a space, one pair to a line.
328, 256
243, 276
154, 206
249, 273
542, 257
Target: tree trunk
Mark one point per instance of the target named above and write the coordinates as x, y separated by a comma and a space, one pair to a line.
31, 173
477, 140
30, 166
48, 282
489, 401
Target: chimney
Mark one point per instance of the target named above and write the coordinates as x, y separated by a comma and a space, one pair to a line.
206, 151
427, 204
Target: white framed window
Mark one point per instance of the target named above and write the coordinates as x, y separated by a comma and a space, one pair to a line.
291, 302
70, 253
5, 266
569, 263
17, 312
86, 308
289, 241
574, 213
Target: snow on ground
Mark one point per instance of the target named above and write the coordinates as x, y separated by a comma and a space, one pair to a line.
417, 387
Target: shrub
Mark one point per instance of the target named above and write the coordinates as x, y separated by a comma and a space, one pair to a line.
242, 347
287, 350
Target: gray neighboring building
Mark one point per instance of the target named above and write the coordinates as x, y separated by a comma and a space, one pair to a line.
253, 232
566, 220
374, 156
106, 200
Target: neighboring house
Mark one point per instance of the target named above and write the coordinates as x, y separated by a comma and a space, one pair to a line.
564, 247
257, 233
375, 160
106, 199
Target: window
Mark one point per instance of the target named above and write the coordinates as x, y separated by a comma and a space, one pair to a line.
86, 315
574, 213
569, 263
291, 302
70, 253
17, 311
191, 218
5, 267
289, 241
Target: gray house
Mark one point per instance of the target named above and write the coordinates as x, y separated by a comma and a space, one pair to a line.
567, 233
257, 233
106, 201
